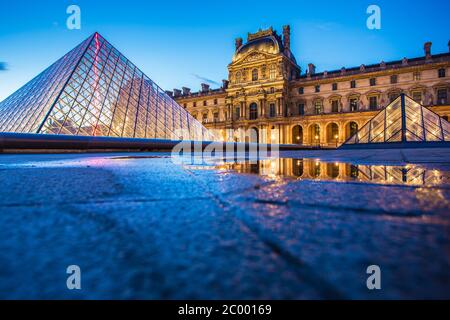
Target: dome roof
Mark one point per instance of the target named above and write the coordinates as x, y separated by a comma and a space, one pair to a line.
268, 44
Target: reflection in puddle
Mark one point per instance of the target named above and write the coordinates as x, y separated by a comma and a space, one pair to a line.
308, 169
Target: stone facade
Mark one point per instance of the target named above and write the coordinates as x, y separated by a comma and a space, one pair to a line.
267, 92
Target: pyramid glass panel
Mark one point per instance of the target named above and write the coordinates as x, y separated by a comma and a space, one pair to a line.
94, 90
403, 120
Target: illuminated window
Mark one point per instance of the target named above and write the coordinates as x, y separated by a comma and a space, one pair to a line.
318, 106
416, 76
273, 72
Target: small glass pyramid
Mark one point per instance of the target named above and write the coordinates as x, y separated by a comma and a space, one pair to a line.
403, 120
95, 91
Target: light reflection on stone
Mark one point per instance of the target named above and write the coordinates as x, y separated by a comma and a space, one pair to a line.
309, 169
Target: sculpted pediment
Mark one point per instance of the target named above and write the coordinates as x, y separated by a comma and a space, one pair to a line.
254, 56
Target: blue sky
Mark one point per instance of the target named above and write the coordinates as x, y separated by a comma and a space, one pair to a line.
176, 43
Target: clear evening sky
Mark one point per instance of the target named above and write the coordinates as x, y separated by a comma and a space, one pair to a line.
184, 43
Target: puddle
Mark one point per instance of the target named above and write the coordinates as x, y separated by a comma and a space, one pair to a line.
140, 157
310, 169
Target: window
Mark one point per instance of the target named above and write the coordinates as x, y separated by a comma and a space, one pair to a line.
185, 105
215, 101
416, 76
216, 117
194, 104
238, 77
301, 109
441, 73
373, 103
273, 72
335, 106
317, 88
394, 79
393, 96
238, 113
255, 75
272, 90
272, 110
353, 84
253, 111
373, 82
353, 104
334, 86
205, 103
318, 106
417, 96
441, 96
205, 118
301, 90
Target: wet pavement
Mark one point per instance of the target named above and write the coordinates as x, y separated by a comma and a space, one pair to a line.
306, 225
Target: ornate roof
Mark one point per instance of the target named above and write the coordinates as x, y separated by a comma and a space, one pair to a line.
267, 44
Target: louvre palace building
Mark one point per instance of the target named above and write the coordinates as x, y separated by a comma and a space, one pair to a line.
267, 92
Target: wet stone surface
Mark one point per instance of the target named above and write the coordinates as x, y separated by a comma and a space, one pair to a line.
303, 226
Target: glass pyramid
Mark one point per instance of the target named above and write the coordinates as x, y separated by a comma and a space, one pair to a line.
403, 120
95, 91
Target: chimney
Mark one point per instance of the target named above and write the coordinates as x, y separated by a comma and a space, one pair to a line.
238, 43
176, 93
186, 91
311, 69
427, 49
205, 87
169, 93
225, 84
287, 37
343, 71
404, 61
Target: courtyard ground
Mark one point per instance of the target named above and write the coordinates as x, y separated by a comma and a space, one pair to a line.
142, 227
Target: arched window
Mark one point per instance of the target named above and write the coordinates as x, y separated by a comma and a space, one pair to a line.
238, 77
253, 111
255, 75
273, 72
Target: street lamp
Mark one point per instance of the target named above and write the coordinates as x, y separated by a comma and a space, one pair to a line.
336, 138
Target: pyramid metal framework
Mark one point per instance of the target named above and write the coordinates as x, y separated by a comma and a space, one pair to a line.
94, 90
403, 120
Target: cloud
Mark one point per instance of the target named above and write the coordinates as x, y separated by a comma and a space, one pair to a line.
206, 80
3, 66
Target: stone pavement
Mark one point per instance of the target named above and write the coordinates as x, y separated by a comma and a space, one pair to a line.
142, 227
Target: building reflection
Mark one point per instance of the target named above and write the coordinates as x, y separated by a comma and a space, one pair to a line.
309, 169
